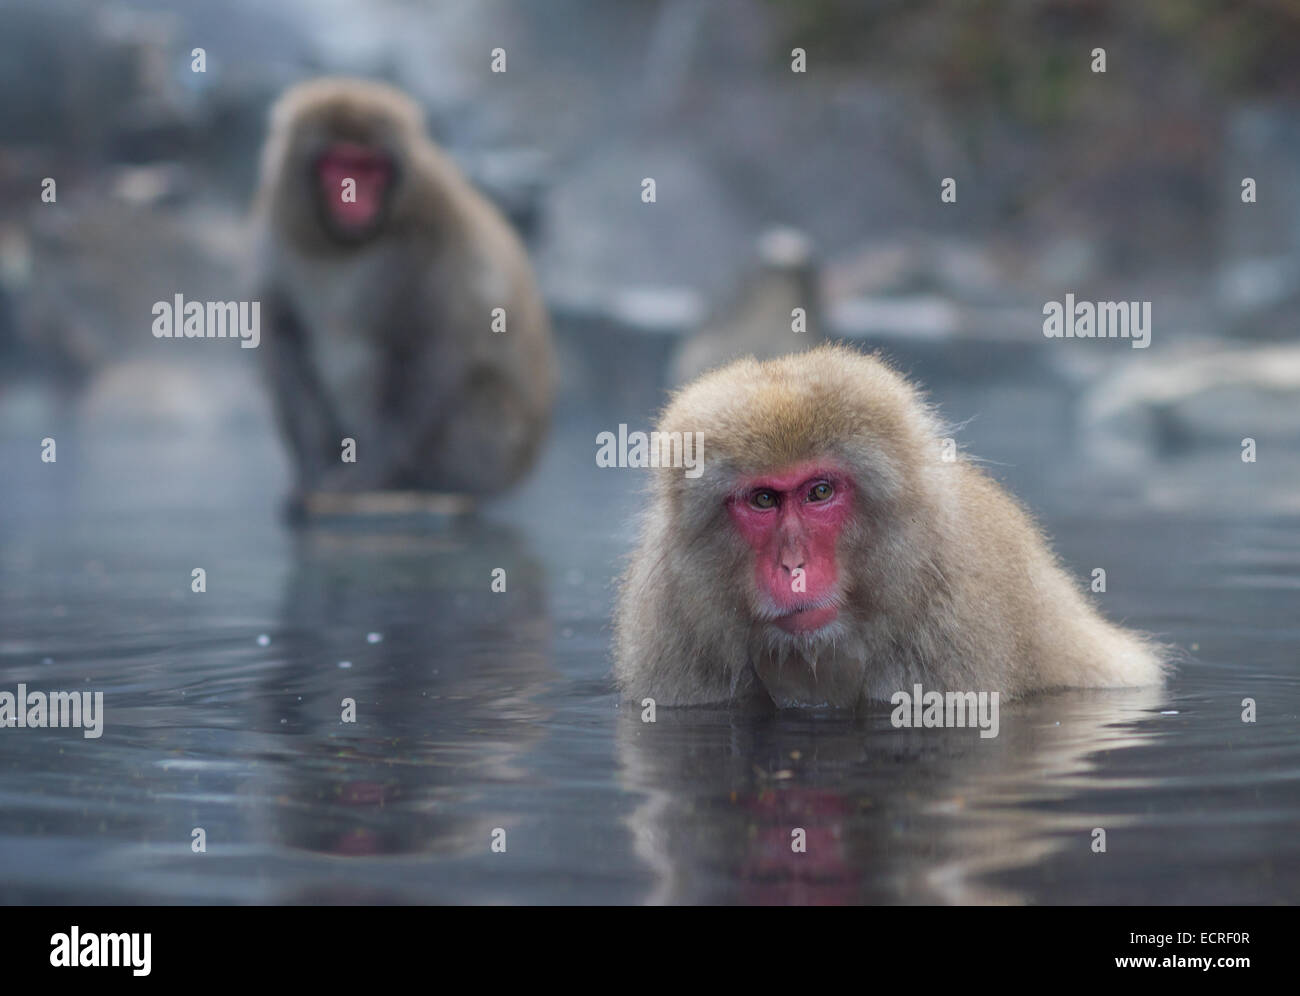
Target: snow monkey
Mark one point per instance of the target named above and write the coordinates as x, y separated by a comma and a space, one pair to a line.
404, 320
831, 552
776, 311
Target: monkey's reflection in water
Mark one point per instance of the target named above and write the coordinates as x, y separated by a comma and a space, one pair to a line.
888, 815
444, 672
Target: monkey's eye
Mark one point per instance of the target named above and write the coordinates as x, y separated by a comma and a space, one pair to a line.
763, 499
820, 492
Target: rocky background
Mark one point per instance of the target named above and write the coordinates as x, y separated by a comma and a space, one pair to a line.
1117, 186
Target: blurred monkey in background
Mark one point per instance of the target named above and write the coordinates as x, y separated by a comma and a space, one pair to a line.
406, 345
776, 311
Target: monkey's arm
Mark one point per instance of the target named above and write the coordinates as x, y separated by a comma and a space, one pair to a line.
669, 647
416, 398
448, 414
301, 406
471, 436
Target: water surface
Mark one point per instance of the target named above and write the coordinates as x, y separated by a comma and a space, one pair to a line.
479, 710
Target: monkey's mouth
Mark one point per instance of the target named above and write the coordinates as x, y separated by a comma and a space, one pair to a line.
354, 185
808, 618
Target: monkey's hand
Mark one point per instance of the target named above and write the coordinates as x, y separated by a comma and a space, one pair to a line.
384, 462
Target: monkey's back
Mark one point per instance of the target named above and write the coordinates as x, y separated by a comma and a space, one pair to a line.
1027, 607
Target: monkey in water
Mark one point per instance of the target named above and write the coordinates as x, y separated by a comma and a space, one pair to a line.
776, 311
828, 554
404, 318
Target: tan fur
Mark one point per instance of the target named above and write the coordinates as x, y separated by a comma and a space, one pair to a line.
945, 580
389, 341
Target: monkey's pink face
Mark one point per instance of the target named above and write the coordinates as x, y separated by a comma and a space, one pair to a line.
792, 521
353, 183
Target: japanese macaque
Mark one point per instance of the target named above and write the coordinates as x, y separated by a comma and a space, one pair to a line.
407, 347
777, 311
834, 550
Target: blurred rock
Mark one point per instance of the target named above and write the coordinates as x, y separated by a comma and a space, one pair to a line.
914, 263
146, 186
104, 253
1210, 399
515, 180
1258, 285
604, 236
168, 391
917, 316
1258, 298
930, 288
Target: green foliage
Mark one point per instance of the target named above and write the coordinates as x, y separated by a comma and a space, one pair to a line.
1031, 58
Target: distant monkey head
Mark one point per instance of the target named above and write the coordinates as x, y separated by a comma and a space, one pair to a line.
355, 182
785, 249
787, 254
338, 159
813, 507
